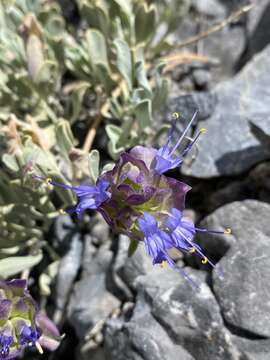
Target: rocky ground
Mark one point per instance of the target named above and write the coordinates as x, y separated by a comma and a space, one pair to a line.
113, 307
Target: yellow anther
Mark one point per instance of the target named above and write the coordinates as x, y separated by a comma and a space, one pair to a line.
48, 181
203, 131
175, 115
39, 348
192, 250
228, 231
205, 260
163, 264
62, 212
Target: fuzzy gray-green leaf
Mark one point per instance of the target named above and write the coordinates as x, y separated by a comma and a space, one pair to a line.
15, 264
124, 60
93, 162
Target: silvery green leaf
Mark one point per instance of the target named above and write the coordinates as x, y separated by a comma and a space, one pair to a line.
141, 77
35, 56
96, 46
77, 98
93, 162
114, 133
13, 265
103, 74
143, 112
10, 162
145, 20
96, 16
45, 72
124, 61
125, 6
64, 137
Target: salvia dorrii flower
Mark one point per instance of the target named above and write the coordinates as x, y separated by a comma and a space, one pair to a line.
137, 199
22, 325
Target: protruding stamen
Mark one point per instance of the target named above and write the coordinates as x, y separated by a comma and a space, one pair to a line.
192, 250
163, 264
62, 211
39, 348
228, 231
184, 132
213, 231
175, 115
204, 260
189, 146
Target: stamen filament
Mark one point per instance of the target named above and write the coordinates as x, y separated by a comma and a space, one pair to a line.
189, 146
39, 348
227, 231
184, 132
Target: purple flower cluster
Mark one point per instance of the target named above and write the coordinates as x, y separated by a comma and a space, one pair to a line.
137, 199
21, 324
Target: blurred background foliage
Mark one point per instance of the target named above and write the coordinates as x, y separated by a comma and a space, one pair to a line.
104, 70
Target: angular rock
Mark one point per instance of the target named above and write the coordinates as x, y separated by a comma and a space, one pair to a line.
187, 104
140, 338
257, 29
239, 129
91, 302
136, 265
253, 349
247, 219
67, 271
244, 293
190, 317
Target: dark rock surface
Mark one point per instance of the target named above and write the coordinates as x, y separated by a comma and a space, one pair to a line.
91, 302
142, 337
239, 127
247, 219
244, 293
191, 318
258, 30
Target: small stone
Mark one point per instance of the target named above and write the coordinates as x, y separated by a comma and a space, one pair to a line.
91, 302
142, 337
67, 271
244, 292
201, 78
245, 218
239, 125
191, 317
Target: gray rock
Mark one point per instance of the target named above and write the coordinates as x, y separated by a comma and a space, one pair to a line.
210, 8
253, 349
91, 302
258, 29
225, 46
246, 218
244, 293
63, 227
201, 78
67, 271
239, 129
187, 104
141, 338
191, 317
136, 265
99, 230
